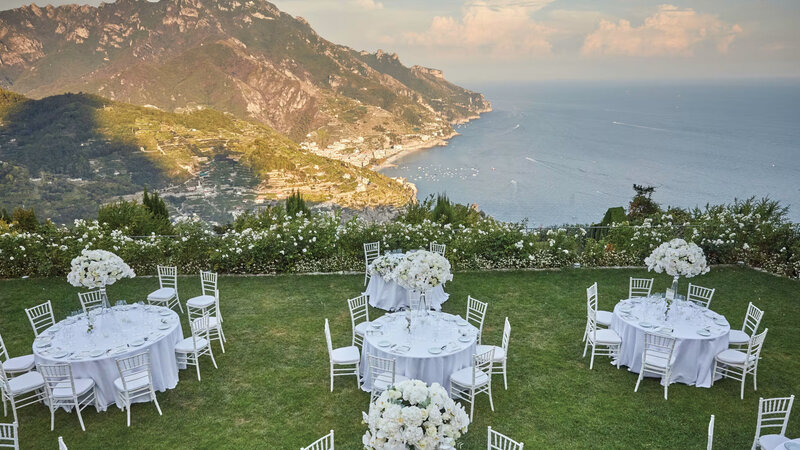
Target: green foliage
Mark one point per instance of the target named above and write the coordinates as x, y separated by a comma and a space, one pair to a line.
642, 204
296, 205
155, 205
136, 219
613, 215
24, 219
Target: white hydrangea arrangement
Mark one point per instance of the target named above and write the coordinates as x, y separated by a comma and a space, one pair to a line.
678, 258
412, 416
385, 265
422, 271
98, 268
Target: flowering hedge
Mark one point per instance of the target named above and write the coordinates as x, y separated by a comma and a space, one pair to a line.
742, 231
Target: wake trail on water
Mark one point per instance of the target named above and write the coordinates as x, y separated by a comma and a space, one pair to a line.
624, 124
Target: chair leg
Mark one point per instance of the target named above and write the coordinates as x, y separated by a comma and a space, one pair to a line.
211, 352
358, 376
155, 400
80, 417
591, 362
714, 373
128, 410
491, 402
197, 365
221, 338
638, 380
471, 404
585, 346
755, 381
14, 409
505, 379
331, 377
52, 418
222, 333
744, 377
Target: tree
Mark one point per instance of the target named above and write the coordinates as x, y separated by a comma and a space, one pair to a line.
296, 204
155, 205
642, 204
25, 219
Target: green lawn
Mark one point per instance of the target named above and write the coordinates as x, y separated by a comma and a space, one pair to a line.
271, 389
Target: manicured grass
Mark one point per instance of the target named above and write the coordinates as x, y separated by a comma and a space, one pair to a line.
271, 390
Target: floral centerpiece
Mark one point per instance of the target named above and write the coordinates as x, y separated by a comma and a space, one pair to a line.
422, 271
413, 416
97, 269
385, 265
677, 258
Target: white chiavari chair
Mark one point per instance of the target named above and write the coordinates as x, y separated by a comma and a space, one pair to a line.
700, 295
135, 381
323, 443
476, 313
382, 375
500, 353
17, 364
208, 285
438, 248
604, 342
93, 299
214, 315
499, 441
468, 382
359, 317
349, 357
736, 364
9, 435
61, 444
772, 413
41, 317
739, 338
64, 390
189, 350
640, 287
167, 293
710, 442
372, 250
21, 391
657, 358
602, 318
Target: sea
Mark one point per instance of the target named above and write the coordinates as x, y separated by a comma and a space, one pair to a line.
564, 152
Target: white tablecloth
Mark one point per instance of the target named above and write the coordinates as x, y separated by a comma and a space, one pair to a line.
433, 332
783, 446
115, 334
390, 296
694, 353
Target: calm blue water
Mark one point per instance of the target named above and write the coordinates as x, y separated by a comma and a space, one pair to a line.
563, 152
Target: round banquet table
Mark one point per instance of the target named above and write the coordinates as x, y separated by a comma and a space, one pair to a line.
700, 335
118, 332
793, 445
388, 337
390, 296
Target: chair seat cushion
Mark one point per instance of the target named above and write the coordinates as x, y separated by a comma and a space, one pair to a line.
499, 353
134, 382
384, 380
738, 337
607, 337
604, 318
770, 441
187, 345
25, 383
19, 364
653, 359
463, 377
162, 294
733, 357
361, 327
64, 390
346, 355
201, 301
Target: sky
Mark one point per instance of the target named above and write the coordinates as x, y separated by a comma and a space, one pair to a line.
519, 40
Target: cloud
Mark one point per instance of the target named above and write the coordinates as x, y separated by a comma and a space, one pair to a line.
368, 5
669, 32
500, 29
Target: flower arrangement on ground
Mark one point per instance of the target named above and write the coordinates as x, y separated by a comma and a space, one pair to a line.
97, 269
422, 271
413, 416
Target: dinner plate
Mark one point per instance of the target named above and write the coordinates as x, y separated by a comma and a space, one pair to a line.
58, 353
375, 325
42, 344
703, 332
96, 353
165, 326
117, 350
720, 321
646, 325
435, 350
465, 339
137, 342
165, 312
384, 343
664, 330
463, 324
791, 445
401, 349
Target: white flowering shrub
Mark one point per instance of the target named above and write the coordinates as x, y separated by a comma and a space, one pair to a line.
411, 415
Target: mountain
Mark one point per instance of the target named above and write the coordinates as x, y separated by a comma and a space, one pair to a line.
65, 155
243, 57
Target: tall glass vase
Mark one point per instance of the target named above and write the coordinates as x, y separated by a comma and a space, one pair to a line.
675, 285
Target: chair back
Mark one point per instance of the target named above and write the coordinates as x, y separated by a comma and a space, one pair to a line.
773, 413
710, 443
591, 297
752, 320
371, 251
168, 276
61, 444
640, 287
482, 362
754, 348
328, 338
93, 299
359, 311
476, 313
499, 441
323, 443
506, 336
200, 329
438, 248
41, 317
381, 368
208, 283
591, 322
56, 376
3, 351
134, 368
3, 381
658, 347
9, 438
700, 295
